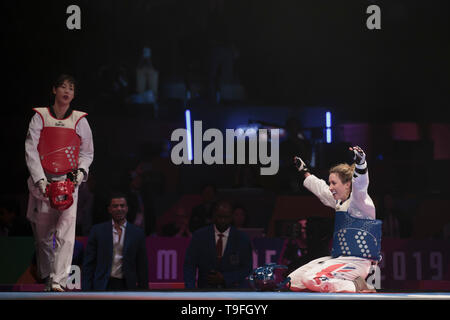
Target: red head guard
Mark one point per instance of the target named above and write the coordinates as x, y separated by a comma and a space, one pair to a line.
60, 194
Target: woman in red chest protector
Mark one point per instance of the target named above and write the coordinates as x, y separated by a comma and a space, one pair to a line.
58, 152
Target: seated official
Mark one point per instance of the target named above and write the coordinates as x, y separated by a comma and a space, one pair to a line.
220, 253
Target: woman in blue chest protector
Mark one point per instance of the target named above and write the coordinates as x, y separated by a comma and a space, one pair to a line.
357, 234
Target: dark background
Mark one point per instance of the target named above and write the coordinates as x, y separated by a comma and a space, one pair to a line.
291, 52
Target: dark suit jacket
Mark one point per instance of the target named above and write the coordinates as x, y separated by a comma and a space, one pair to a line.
235, 265
98, 258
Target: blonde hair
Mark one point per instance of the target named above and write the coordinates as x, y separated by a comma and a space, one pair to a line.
344, 172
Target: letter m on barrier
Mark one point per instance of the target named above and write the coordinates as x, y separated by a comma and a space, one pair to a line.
167, 263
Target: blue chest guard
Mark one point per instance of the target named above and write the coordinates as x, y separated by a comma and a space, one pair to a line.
356, 237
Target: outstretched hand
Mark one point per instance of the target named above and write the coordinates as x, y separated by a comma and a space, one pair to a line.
358, 155
301, 166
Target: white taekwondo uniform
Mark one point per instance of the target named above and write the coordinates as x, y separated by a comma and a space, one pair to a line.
54, 230
328, 274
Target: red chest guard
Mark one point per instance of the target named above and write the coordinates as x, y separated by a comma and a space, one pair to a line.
59, 144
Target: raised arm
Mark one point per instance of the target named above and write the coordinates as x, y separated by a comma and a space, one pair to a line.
317, 186
360, 183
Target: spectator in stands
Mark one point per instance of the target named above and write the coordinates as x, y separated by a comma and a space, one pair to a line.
11, 224
116, 254
221, 57
239, 216
201, 214
120, 83
391, 227
147, 78
140, 203
179, 227
86, 201
6, 219
296, 247
220, 253
310, 240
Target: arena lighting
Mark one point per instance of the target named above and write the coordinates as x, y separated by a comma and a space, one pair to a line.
328, 119
328, 135
187, 115
328, 126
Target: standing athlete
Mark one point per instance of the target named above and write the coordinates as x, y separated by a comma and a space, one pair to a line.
58, 152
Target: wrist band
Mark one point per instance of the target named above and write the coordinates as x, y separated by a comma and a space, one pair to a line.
361, 171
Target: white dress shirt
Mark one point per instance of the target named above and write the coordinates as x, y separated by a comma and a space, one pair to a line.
116, 268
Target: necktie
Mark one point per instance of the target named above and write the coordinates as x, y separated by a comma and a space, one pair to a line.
219, 246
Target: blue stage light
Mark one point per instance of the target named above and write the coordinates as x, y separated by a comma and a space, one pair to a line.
189, 133
328, 135
328, 126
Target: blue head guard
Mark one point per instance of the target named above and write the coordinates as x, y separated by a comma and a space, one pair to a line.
356, 237
265, 278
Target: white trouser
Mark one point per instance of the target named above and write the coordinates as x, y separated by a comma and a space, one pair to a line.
54, 235
329, 274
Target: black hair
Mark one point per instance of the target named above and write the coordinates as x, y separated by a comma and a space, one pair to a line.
209, 184
220, 202
65, 77
10, 204
239, 206
117, 195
